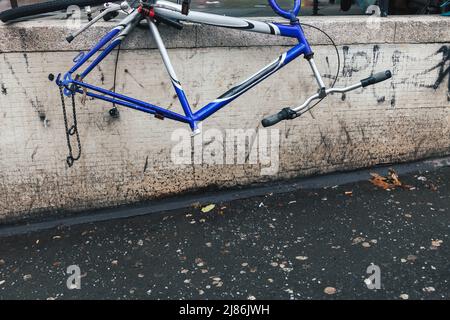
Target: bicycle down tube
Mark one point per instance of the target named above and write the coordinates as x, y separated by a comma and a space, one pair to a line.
171, 10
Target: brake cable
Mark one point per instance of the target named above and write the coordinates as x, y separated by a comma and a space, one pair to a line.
338, 62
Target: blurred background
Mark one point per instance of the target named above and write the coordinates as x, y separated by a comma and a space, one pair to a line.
252, 8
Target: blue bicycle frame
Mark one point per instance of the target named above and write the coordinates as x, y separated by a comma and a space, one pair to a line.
75, 84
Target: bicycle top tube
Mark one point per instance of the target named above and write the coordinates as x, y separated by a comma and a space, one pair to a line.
291, 15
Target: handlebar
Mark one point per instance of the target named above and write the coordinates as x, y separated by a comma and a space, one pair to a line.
291, 15
288, 113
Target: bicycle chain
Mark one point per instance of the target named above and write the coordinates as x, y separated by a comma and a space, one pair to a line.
73, 130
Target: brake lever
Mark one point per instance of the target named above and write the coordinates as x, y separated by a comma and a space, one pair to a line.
110, 8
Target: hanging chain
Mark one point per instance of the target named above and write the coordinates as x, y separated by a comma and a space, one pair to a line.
73, 130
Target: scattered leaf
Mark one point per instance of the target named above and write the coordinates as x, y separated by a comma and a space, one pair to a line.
329, 290
2, 282
301, 258
435, 244
114, 262
251, 297
390, 182
404, 296
348, 193
428, 289
208, 208
358, 240
27, 277
366, 244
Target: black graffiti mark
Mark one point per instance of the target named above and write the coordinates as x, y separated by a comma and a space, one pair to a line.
35, 104
352, 62
375, 57
4, 90
395, 65
146, 164
443, 72
376, 54
102, 75
25, 56
132, 77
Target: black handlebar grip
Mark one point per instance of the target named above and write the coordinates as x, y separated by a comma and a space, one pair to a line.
70, 38
286, 113
376, 78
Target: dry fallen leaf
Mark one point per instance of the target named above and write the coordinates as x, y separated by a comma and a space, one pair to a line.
394, 178
366, 244
329, 290
390, 182
379, 181
208, 208
301, 258
27, 277
358, 240
436, 243
404, 296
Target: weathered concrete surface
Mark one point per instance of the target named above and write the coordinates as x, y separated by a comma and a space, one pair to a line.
49, 35
129, 159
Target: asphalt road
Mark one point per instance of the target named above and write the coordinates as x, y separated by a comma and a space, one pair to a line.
308, 244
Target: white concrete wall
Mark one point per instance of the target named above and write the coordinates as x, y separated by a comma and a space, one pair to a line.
128, 159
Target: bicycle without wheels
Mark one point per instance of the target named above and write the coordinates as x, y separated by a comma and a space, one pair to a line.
173, 14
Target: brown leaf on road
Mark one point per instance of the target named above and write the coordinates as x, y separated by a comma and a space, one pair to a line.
390, 182
379, 181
